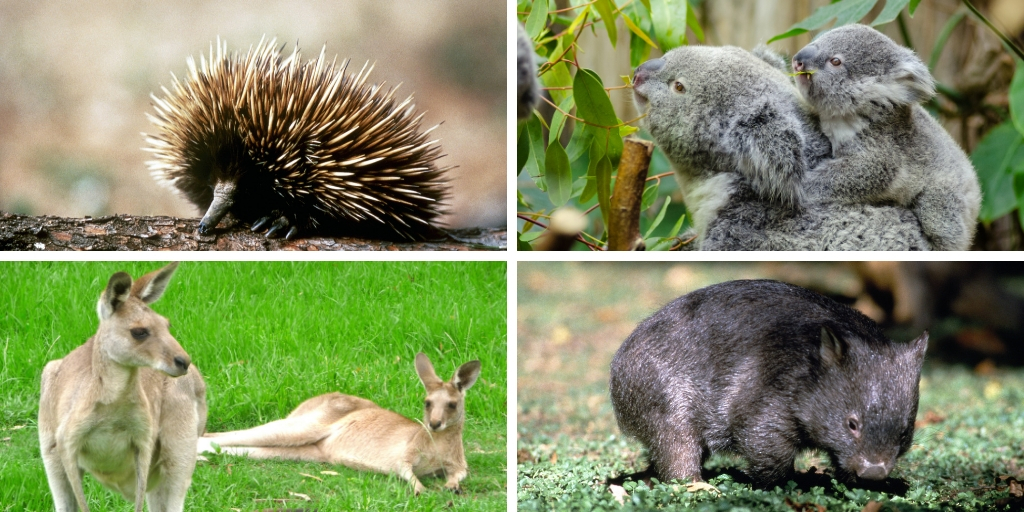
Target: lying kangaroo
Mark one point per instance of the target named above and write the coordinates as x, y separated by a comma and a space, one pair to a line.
126, 406
357, 433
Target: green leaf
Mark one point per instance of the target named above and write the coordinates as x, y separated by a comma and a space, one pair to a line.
992, 158
691, 21
889, 13
637, 31
592, 102
606, 8
522, 147
664, 14
913, 6
626, 130
1017, 97
845, 12
558, 120
521, 245
557, 175
604, 186
579, 143
658, 218
558, 76
596, 152
538, 19
650, 194
535, 162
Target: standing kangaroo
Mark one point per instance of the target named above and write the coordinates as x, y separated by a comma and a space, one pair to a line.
357, 433
127, 406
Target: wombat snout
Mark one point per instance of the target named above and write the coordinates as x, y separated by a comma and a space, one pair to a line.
764, 370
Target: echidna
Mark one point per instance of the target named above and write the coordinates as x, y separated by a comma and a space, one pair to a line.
302, 147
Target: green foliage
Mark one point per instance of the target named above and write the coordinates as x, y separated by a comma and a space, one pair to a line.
999, 159
955, 464
846, 12
582, 173
266, 336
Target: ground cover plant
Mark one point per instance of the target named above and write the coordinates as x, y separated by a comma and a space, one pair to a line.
968, 451
266, 336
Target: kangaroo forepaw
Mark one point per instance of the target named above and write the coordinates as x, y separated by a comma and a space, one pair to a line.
454, 488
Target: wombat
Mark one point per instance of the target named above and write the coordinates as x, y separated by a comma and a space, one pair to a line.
764, 369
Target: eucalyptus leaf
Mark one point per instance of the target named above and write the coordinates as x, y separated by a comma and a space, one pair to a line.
991, 158
538, 19
557, 174
844, 11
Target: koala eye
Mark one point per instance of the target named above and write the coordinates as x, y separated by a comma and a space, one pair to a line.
140, 333
836, 61
854, 425
678, 86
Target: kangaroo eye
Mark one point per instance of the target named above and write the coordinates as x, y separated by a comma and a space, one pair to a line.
451, 405
836, 61
679, 87
426, 403
140, 333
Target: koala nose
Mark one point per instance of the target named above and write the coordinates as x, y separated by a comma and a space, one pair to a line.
646, 69
802, 56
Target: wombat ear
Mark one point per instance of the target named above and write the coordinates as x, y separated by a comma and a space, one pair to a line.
918, 347
831, 348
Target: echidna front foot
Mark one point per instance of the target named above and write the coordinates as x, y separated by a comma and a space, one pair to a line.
276, 227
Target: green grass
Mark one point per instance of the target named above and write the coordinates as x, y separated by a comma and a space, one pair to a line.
267, 336
572, 317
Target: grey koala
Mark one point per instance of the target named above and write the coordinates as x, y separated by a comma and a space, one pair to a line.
527, 88
741, 143
867, 90
765, 369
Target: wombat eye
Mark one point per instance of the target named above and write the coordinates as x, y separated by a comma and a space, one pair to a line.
679, 87
140, 333
853, 425
836, 61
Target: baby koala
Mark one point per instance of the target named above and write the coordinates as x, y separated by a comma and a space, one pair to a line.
867, 91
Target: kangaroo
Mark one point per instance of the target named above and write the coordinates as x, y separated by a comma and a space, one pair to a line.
127, 406
357, 433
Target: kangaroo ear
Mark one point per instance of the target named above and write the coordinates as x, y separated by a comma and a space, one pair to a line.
426, 371
466, 375
151, 286
832, 348
118, 289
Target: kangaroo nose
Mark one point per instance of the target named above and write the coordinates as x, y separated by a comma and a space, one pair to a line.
646, 69
181, 362
435, 425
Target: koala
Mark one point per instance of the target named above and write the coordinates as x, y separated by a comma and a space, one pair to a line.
886, 148
528, 90
741, 142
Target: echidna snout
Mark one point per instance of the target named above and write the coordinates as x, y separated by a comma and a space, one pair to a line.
296, 147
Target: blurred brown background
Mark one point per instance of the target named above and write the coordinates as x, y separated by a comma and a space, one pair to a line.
75, 80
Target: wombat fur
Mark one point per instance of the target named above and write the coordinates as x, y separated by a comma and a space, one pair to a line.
765, 369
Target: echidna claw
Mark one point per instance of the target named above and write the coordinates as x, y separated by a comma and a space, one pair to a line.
291, 233
278, 225
259, 224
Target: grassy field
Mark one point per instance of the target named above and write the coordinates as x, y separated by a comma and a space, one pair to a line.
266, 336
571, 317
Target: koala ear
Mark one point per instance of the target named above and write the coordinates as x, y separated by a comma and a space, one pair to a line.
767, 146
915, 80
773, 59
